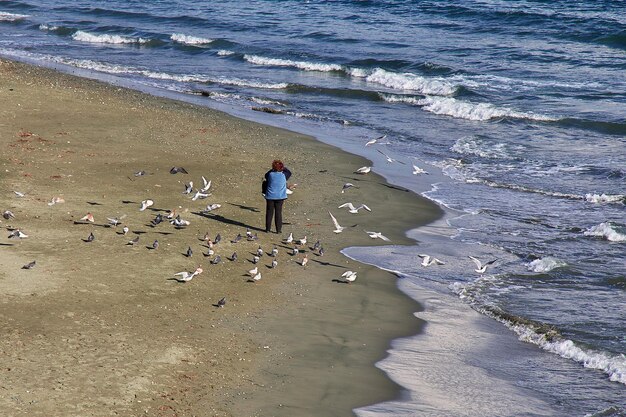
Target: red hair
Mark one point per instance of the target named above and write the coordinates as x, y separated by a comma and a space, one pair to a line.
278, 165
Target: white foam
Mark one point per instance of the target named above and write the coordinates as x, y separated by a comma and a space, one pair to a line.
449, 106
44, 26
470, 145
613, 366
546, 264
190, 40
183, 78
605, 198
266, 101
606, 231
303, 65
83, 36
410, 82
12, 17
224, 52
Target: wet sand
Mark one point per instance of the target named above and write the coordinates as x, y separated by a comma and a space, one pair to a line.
98, 328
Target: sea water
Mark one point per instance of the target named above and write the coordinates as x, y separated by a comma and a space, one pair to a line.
517, 109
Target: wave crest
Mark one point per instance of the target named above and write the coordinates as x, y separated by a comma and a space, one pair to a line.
470, 145
607, 231
83, 36
12, 17
449, 106
407, 81
546, 264
606, 198
303, 65
190, 40
548, 338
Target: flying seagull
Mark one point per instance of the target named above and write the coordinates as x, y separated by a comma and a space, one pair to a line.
480, 268
206, 185
373, 141
354, 210
378, 235
338, 228
428, 260
145, 204
176, 170
417, 170
346, 186
390, 159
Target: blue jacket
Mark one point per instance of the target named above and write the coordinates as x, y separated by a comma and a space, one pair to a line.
276, 184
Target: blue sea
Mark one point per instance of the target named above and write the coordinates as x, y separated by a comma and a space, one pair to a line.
517, 111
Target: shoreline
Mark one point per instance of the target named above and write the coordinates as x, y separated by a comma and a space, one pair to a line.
317, 355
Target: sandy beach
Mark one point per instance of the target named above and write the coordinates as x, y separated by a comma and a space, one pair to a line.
99, 328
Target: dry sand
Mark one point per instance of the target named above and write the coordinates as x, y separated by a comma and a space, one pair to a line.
97, 329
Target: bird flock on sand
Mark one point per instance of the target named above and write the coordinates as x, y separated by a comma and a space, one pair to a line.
174, 218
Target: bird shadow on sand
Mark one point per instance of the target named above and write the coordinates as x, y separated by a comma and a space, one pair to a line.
7, 244
226, 220
249, 208
94, 203
326, 263
338, 281
393, 187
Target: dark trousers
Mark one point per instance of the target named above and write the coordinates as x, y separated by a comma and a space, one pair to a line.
274, 208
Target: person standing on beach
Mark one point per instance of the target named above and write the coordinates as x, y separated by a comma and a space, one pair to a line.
275, 192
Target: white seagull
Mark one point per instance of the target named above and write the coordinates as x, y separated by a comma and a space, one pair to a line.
19, 193
206, 186
363, 170
428, 260
187, 276
378, 235
354, 210
145, 204
253, 271
338, 229
256, 277
188, 188
211, 207
349, 276
373, 141
17, 233
289, 238
346, 186
390, 159
199, 194
417, 170
480, 268
87, 218
114, 221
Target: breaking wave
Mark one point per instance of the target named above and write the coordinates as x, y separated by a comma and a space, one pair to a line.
407, 82
471, 145
449, 106
547, 337
606, 198
303, 65
12, 17
183, 78
546, 264
83, 36
607, 231
189, 40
